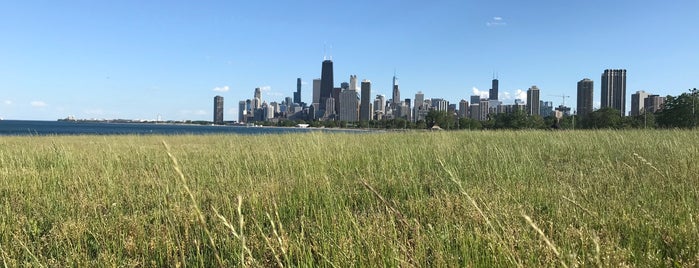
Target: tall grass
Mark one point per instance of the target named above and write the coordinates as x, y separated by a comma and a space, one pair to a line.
487, 199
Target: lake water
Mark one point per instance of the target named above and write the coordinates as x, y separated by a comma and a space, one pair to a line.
42, 128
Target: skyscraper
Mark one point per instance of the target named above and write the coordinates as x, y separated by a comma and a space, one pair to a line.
353, 82
316, 91
218, 110
533, 101
585, 97
638, 102
326, 83
493, 94
365, 112
396, 91
419, 106
463, 109
297, 94
349, 104
614, 90
242, 111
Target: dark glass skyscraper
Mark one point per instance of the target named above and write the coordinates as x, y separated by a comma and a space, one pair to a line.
326, 82
493, 94
365, 104
297, 94
585, 96
218, 110
614, 90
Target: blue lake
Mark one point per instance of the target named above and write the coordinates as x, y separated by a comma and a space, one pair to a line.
43, 128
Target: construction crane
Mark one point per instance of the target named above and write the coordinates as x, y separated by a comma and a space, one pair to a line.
563, 97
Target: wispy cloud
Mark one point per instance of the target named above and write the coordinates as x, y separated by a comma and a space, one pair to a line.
496, 22
482, 93
222, 89
265, 88
7, 102
38, 104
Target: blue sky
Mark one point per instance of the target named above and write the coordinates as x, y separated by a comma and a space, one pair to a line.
141, 59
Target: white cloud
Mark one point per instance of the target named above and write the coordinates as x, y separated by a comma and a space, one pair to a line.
265, 88
521, 94
496, 22
222, 89
482, 93
7, 102
38, 104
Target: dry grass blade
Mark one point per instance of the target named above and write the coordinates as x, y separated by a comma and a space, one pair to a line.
200, 215
543, 237
28, 251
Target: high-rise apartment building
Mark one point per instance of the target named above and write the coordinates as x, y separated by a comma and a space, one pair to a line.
327, 83
297, 94
533, 101
365, 111
493, 94
349, 104
463, 109
585, 97
316, 91
218, 110
419, 107
638, 102
614, 90
242, 112
654, 103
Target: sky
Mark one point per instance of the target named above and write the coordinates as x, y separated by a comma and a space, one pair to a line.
145, 59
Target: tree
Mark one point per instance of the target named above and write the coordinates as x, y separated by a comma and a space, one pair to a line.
469, 123
603, 118
680, 111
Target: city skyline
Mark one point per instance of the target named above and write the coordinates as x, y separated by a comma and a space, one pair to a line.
141, 60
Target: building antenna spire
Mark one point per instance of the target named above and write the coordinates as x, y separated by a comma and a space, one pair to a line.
325, 51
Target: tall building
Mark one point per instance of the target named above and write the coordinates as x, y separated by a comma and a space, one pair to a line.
474, 111
440, 104
396, 91
330, 107
316, 91
326, 83
533, 101
463, 109
483, 110
365, 111
614, 90
585, 97
242, 112
258, 93
379, 107
353, 82
654, 103
475, 99
419, 106
336, 95
349, 104
493, 94
638, 102
218, 110
297, 94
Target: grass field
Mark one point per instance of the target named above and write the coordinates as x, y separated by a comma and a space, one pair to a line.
446, 199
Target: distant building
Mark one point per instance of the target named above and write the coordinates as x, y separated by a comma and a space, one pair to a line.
654, 103
327, 83
585, 97
365, 111
419, 106
463, 109
614, 90
349, 105
316, 91
297, 94
483, 109
533, 101
218, 110
242, 112
440, 104
474, 111
493, 94
546, 108
638, 103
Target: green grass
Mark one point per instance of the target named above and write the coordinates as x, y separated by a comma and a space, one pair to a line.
447, 199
